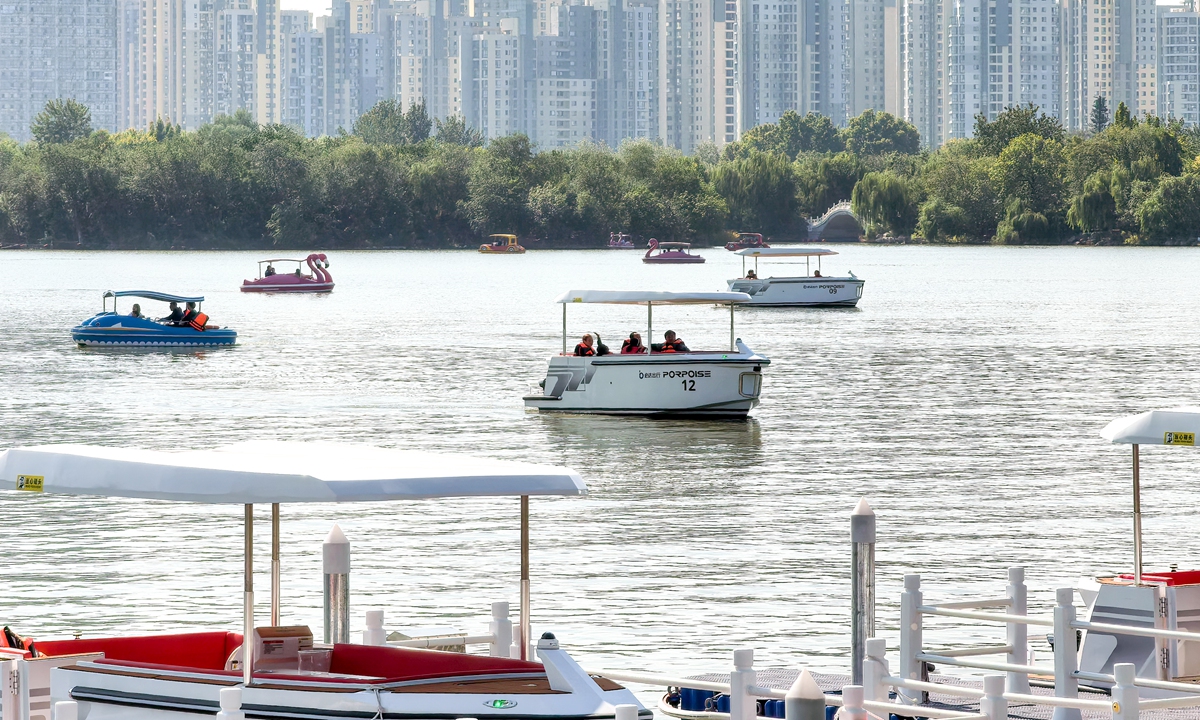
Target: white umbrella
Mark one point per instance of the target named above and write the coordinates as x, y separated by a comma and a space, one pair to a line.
1177, 427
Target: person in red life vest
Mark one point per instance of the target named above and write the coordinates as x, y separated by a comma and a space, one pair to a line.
194, 319
670, 344
584, 348
633, 345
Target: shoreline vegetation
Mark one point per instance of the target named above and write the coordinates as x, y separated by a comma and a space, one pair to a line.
400, 180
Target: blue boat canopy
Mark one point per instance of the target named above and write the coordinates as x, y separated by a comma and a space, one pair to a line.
151, 295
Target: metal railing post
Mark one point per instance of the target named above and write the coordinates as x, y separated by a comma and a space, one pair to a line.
993, 703
1066, 654
1125, 693
911, 668
501, 630
875, 669
741, 705
1018, 633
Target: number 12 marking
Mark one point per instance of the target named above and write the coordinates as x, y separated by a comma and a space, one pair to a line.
689, 385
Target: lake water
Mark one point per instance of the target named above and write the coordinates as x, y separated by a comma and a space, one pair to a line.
963, 398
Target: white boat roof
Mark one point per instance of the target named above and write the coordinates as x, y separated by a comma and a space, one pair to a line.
1178, 426
785, 252
659, 297
270, 472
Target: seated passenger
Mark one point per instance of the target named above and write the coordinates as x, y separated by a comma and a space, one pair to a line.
270, 270
601, 348
175, 317
633, 345
670, 344
298, 273
751, 275
189, 314
817, 273
136, 311
584, 348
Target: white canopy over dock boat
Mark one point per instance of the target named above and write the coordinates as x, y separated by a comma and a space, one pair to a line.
707, 383
809, 290
1165, 600
181, 675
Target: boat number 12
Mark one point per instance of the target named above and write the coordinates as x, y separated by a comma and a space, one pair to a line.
689, 385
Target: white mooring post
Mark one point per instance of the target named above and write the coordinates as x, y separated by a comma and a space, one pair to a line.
911, 668
804, 700
1018, 633
626, 712
742, 706
231, 704
66, 710
501, 630
993, 703
1066, 654
852, 703
335, 560
862, 588
875, 669
1124, 693
374, 634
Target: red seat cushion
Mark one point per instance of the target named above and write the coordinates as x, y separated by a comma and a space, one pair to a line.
204, 650
409, 664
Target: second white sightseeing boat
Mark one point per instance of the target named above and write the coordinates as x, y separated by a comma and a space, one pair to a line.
808, 290
704, 383
289, 677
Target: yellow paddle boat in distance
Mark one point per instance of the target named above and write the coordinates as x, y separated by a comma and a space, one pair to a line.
502, 244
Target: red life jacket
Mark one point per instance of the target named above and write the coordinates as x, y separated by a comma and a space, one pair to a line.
582, 350
198, 321
627, 348
10, 639
670, 347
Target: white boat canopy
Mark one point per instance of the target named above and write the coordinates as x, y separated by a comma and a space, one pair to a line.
785, 252
276, 472
658, 297
1178, 427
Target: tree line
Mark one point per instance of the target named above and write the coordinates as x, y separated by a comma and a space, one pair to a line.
400, 179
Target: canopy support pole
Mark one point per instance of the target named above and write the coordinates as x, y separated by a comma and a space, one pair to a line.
732, 337
525, 577
248, 599
1137, 517
649, 326
275, 565
564, 328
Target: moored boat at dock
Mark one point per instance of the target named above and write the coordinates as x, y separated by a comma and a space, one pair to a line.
705, 383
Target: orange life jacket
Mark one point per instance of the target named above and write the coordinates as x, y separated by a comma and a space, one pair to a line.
198, 321
10, 639
628, 348
582, 350
670, 347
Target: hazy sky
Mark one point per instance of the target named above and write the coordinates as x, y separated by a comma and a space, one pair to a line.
316, 7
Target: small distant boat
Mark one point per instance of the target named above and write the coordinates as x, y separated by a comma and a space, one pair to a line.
502, 244
269, 281
107, 328
746, 240
621, 241
670, 252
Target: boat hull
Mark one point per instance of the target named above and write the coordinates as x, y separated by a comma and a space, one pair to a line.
286, 284
661, 260
109, 330
705, 384
800, 291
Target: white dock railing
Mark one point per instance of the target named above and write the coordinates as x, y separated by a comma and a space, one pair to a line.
912, 683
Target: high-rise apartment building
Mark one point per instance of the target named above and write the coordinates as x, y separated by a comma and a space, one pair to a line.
1179, 63
303, 73
1023, 52
923, 68
565, 96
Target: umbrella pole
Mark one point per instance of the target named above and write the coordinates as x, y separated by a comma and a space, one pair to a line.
274, 564
248, 608
524, 577
1137, 517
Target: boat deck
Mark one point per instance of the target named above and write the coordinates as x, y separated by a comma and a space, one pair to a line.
831, 684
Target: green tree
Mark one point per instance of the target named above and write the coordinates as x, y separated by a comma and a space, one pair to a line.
1099, 116
61, 121
1094, 209
1122, 118
1172, 210
962, 198
760, 192
388, 123
498, 189
993, 136
879, 133
162, 130
887, 202
455, 131
1030, 171
823, 180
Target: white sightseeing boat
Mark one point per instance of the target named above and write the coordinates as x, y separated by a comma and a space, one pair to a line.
707, 383
808, 290
188, 674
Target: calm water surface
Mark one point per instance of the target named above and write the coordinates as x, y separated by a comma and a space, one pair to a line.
963, 398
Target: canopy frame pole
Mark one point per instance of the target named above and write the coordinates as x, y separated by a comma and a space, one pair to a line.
275, 565
744, 266
1137, 516
564, 328
525, 631
732, 336
248, 600
649, 326
807, 269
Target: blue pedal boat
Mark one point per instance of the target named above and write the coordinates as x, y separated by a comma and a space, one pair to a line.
110, 329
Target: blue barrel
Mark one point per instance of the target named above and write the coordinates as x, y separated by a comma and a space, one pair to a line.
830, 711
723, 703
